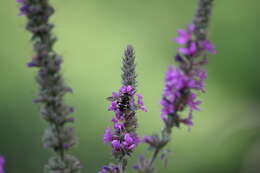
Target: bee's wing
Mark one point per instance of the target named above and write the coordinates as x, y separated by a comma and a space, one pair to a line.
110, 99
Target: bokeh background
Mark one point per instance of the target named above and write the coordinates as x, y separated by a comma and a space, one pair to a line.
92, 36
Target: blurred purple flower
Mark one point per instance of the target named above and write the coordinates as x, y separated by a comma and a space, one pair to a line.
116, 144
109, 169
2, 162
190, 50
185, 36
107, 136
207, 45
141, 103
188, 121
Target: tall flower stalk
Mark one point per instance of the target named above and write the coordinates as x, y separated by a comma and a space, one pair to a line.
58, 135
182, 83
123, 137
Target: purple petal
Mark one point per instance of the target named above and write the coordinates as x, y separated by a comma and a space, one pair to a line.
116, 144
2, 162
188, 121
207, 45
129, 88
182, 33
107, 136
131, 147
31, 64
113, 106
128, 138
191, 28
192, 48
181, 40
140, 102
184, 51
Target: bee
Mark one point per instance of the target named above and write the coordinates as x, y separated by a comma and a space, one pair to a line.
123, 101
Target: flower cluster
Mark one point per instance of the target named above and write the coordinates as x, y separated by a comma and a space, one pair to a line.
2, 162
58, 136
177, 94
181, 83
38, 13
124, 139
192, 46
110, 169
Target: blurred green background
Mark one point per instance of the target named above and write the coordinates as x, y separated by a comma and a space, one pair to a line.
92, 36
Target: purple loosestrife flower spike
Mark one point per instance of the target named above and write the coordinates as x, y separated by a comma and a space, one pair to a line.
182, 83
2, 162
129, 75
201, 19
123, 138
52, 88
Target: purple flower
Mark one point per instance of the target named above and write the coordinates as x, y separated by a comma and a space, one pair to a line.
176, 84
141, 103
128, 138
113, 106
190, 50
153, 140
107, 136
200, 76
185, 36
103, 171
191, 45
2, 162
127, 89
148, 139
117, 124
115, 169
32, 64
207, 45
167, 108
174, 80
193, 103
109, 169
116, 144
129, 142
188, 121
